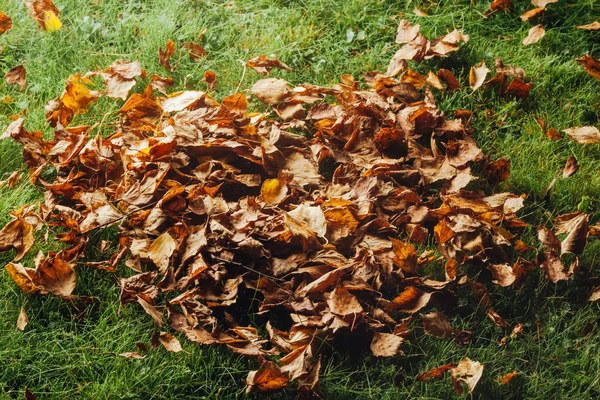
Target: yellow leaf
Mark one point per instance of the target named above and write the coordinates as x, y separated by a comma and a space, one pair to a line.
51, 21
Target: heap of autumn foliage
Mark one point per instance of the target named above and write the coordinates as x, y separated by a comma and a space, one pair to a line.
308, 214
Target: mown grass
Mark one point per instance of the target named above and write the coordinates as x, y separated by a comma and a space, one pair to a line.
67, 354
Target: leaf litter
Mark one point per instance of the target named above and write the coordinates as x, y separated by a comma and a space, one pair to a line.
315, 207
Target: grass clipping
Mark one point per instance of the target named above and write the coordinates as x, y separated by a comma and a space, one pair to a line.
307, 216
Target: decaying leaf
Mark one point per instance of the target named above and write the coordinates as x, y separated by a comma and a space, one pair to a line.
132, 354
23, 319
534, 35
543, 3
386, 345
169, 342
45, 13
467, 372
571, 167
437, 324
5, 23
263, 64
267, 378
584, 134
16, 76
532, 13
197, 52
477, 75
506, 379
164, 56
591, 65
436, 373
593, 26
161, 250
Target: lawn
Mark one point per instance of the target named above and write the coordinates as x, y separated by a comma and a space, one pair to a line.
67, 354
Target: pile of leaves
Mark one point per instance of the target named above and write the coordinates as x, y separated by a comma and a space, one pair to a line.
308, 215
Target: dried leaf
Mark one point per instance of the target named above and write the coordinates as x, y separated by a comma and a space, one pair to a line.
477, 75
197, 52
271, 91
594, 26
386, 345
436, 373
16, 76
23, 319
132, 354
543, 3
506, 379
5, 23
164, 56
169, 342
534, 35
584, 134
267, 378
571, 167
468, 372
591, 65
161, 250
532, 13
263, 65
437, 324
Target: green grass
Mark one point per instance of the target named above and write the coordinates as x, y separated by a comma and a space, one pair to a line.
66, 354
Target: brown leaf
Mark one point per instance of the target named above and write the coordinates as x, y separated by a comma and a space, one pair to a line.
498, 171
151, 310
477, 75
496, 318
506, 379
498, 5
132, 354
23, 319
503, 274
16, 76
584, 134
236, 103
576, 226
56, 276
169, 342
341, 302
268, 377
448, 77
161, 250
263, 65
437, 324
532, 13
571, 167
410, 300
386, 345
271, 91
164, 56
5, 23
534, 35
45, 13
591, 65
23, 277
120, 78
553, 134
197, 52
436, 373
518, 89
543, 3
210, 78
406, 32
468, 372
594, 26
595, 296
